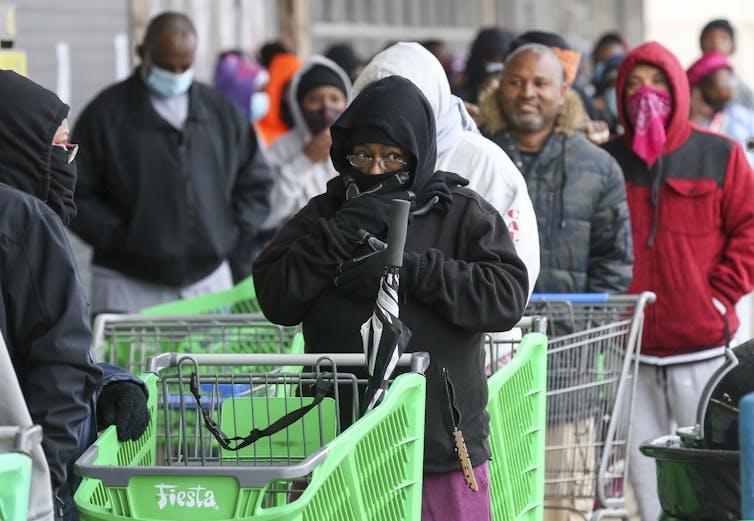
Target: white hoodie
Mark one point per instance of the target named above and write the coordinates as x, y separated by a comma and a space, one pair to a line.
461, 148
296, 179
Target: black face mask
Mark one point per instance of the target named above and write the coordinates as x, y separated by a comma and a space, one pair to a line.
62, 185
717, 104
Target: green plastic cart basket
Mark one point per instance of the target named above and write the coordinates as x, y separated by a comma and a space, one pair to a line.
240, 299
517, 399
372, 471
16, 444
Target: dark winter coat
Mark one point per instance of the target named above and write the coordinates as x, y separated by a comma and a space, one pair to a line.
161, 204
43, 313
702, 222
580, 201
461, 274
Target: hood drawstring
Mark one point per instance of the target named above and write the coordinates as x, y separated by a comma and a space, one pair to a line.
654, 197
424, 210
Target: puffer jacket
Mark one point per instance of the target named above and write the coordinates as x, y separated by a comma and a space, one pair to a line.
579, 198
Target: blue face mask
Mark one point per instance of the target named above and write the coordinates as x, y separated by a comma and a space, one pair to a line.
259, 105
611, 100
167, 84
599, 70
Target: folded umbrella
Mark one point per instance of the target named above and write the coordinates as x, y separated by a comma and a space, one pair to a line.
384, 336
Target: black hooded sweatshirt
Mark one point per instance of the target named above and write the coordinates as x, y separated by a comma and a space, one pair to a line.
43, 312
461, 274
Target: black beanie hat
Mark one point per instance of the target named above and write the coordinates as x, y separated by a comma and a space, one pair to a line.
718, 24
317, 76
540, 37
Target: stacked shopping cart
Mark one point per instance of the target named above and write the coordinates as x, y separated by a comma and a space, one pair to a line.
593, 346
296, 460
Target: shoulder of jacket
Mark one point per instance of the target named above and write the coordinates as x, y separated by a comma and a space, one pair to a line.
20, 212
472, 200
579, 144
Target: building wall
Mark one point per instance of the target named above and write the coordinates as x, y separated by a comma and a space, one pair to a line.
677, 24
370, 25
94, 31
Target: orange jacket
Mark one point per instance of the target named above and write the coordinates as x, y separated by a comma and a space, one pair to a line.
282, 68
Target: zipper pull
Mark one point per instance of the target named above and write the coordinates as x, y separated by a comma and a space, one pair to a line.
463, 458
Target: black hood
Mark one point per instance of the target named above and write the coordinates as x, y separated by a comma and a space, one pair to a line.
395, 106
31, 115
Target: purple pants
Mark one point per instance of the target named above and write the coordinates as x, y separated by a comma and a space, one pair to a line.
447, 497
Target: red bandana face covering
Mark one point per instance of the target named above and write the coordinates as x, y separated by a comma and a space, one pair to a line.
648, 109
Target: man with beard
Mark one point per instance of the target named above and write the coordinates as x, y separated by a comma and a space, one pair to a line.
576, 188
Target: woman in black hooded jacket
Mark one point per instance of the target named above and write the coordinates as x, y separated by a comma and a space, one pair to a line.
460, 277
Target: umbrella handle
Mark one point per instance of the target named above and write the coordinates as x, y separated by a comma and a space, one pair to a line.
396, 235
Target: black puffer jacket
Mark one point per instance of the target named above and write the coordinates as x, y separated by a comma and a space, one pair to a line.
461, 274
43, 313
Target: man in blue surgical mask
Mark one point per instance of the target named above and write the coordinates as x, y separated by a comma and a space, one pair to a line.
173, 185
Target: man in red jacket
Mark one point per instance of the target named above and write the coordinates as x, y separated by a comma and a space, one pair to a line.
690, 198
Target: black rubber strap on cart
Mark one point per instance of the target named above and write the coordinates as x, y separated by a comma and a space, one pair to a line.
322, 386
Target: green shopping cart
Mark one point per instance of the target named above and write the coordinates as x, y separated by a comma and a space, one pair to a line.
307, 470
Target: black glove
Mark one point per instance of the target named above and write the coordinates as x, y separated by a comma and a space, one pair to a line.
438, 188
123, 404
366, 214
360, 278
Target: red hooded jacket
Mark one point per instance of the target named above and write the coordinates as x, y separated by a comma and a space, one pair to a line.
701, 224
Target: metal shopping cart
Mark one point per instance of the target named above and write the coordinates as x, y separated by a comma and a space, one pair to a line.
593, 346
184, 467
128, 340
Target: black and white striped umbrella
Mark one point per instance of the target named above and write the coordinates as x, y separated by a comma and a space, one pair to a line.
383, 335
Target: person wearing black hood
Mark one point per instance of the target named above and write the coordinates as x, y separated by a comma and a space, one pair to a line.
43, 312
485, 61
460, 277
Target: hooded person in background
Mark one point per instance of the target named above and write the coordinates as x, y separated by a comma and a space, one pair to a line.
485, 61
300, 158
689, 195
460, 276
43, 312
460, 146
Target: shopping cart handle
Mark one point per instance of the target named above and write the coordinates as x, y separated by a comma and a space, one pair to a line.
570, 297
248, 476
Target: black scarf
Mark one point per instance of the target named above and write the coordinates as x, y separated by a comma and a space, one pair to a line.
62, 185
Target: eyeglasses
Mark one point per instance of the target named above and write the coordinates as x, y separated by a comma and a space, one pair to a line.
365, 161
69, 148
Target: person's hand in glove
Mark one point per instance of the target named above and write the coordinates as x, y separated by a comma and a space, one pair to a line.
123, 404
360, 278
369, 212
